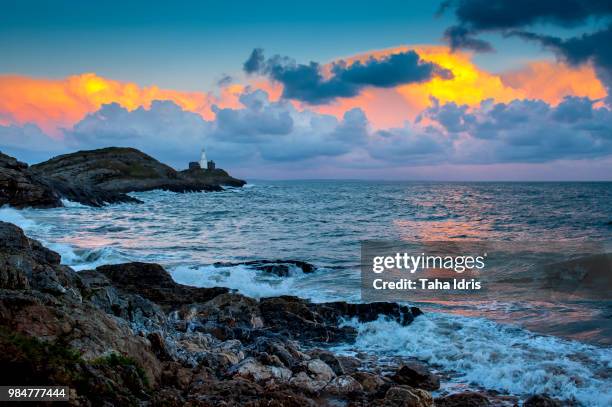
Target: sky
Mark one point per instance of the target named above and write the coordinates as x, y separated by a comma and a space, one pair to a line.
407, 90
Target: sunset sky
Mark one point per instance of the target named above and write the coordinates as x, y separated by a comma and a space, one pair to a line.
459, 90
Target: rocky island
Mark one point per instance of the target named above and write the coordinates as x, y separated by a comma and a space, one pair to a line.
98, 177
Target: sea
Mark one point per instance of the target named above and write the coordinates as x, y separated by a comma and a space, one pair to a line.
513, 345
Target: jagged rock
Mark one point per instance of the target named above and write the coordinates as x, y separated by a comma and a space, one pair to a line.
212, 177
541, 400
416, 375
19, 188
465, 399
154, 283
319, 370
343, 385
281, 268
330, 359
252, 369
372, 383
51, 306
285, 351
406, 396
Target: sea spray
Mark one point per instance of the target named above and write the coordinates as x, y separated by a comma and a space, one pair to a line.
494, 356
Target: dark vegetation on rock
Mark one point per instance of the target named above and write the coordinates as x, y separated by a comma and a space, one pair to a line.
98, 177
127, 334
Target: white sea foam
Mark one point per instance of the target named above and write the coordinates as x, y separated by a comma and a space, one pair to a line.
14, 216
245, 280
494, 356
71, 204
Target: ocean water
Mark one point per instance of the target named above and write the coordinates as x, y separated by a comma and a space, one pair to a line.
515, 345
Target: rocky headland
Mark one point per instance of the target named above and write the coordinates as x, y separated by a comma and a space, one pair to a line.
98, 177
128, 334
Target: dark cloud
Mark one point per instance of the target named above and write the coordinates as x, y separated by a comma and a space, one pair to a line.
460, 37
489, 15
513, 17
307, 83
255, 62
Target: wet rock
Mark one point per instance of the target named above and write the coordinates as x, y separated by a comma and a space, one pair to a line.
330, 359
285, 351
152, 282
367, 312
349, 364
465, 399
372, 383
304, 383
343, 385
541, 400
416, 375
252, 369
281, 268
295, 318
406, 396
319, 370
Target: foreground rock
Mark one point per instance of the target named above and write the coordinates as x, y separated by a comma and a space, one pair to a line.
20, 189
129, 335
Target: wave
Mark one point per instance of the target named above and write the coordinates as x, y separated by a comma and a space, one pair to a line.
258, 284
14, 216
493, 356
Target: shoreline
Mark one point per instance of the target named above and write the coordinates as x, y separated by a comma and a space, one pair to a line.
178, 330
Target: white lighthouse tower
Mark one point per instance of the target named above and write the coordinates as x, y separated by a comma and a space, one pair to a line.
203, 160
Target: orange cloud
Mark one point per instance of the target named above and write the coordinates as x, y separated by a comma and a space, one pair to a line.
470, 85
54, 104
553, 81
57, 104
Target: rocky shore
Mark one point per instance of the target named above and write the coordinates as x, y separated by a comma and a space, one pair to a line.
127, 334
98, 177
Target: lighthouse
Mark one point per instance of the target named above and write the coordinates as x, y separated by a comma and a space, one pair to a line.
203, 160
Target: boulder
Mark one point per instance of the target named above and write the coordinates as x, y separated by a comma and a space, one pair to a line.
252, 369
152, 282
372, 383
343, 385
465, 399
319, 370
541, 400
416, 375
406, 396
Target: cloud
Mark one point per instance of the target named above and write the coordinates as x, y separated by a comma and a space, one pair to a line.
260, 135
460, 37
258, 131
482, 15
526, 131
307, 82
592, 47
29, 142
163, 130
511, 17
